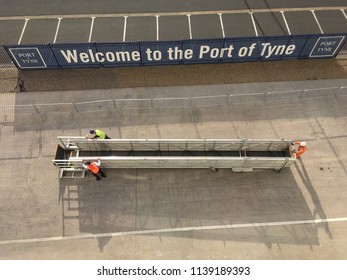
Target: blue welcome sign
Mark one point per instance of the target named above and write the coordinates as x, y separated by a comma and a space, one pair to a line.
91, 55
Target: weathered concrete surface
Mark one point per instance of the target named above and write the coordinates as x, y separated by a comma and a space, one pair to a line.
185, 75
34, 204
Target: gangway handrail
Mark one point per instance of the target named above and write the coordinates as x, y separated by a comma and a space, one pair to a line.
180, 144
69, 142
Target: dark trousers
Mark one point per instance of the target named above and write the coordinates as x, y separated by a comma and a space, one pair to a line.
106, 137
99, 175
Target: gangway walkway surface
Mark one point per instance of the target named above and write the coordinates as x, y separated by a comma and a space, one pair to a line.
240, 155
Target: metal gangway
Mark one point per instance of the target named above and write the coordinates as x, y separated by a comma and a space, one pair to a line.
239, 155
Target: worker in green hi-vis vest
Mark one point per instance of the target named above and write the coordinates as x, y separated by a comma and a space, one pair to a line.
98, 134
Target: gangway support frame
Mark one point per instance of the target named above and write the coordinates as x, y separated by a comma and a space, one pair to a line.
239, 155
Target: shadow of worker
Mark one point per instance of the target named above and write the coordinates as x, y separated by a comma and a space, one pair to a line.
318, 211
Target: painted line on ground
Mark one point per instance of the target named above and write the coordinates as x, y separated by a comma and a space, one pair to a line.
157, 25
91, 29
276, 10
23, 30
286, 23
57, 30
125, 27
221, 24
254, 25
315, 17
343, 11
190, 27
172, 230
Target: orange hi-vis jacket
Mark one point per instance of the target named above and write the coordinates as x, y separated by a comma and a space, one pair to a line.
300, 150
94, 168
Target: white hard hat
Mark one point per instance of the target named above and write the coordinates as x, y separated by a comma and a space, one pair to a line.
303, 144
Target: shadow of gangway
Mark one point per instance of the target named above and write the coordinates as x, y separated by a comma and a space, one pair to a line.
133, 200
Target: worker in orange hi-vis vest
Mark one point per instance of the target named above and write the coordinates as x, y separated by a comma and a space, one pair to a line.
301, 149
94, 167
